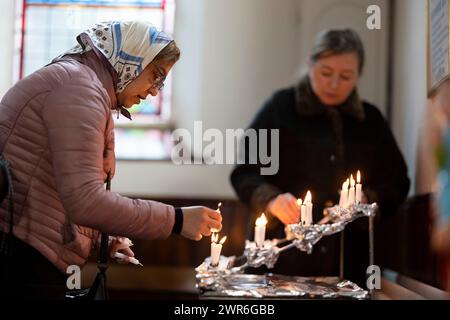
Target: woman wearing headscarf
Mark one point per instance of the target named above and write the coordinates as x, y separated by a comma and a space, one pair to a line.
325, 133
57, 135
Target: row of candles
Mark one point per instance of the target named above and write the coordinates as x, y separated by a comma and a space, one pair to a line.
351, 193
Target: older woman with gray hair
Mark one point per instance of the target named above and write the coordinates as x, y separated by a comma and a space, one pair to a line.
57, 136
326, 133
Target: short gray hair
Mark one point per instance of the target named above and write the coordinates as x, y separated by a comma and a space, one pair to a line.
338, 41
170, 53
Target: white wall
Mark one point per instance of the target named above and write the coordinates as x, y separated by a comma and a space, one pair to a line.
234, 55
409, 85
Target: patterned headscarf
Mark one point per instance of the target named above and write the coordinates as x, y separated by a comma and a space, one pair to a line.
129, 46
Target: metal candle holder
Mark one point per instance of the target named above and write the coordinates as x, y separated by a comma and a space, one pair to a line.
297, 235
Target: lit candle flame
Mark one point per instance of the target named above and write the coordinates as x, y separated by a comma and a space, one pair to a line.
218, 207
308, 197
345, 185
262, 220
222, 241
299, 202
214, 237
352, 181
358, 177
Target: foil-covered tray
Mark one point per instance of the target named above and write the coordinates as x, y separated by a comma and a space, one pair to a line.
272, 286
227, 279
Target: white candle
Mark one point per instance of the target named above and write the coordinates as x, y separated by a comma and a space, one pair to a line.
344, 194
216, 248
351, 192
302, 211
132, 260
215, 253
217, 210
358, 188
309, 207
303, 214
260, 230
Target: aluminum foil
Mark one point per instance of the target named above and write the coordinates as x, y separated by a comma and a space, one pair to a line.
256, 257
227, 279
273, 286
352, 213
305, 237
208, 276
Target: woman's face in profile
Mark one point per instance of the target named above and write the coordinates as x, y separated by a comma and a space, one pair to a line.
334, 77
150, 81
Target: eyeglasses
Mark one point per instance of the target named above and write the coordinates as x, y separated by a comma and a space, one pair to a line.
158, 82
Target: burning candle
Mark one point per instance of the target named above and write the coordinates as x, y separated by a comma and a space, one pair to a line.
344, 194
260, 230
358, 188
302, 211
217, 210
309, 207
216, 248
351, 192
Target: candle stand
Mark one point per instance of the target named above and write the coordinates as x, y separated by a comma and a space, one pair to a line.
228, 278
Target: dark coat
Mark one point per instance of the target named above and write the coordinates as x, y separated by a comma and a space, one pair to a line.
319, 147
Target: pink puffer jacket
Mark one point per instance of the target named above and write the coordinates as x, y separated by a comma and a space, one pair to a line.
56, 131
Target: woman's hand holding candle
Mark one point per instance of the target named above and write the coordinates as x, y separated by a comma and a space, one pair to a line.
198, 222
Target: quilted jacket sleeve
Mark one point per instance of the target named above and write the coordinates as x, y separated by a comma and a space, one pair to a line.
76, 116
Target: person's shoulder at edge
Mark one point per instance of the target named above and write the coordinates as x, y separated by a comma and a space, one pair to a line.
375, 121
284, 97
273, 107
280, 100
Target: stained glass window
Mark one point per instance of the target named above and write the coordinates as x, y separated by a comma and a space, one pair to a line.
47, 28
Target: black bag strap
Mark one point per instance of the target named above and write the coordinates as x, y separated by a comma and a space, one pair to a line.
7, 191
98, 290
103, 259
